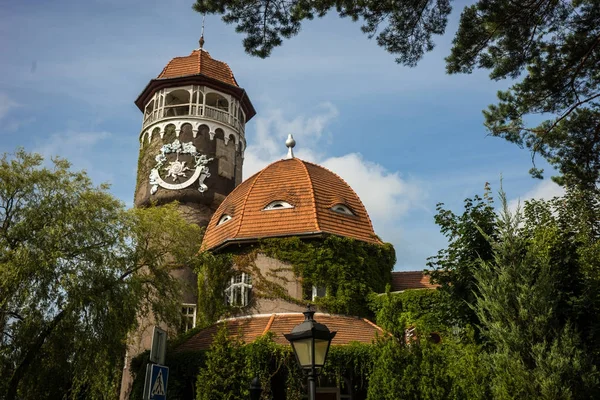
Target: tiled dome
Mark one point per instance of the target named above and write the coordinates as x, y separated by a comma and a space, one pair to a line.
290, 197
199, 62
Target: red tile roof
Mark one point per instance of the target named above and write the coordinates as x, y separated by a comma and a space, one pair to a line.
310, 188
411, 280
349, 329
198, 62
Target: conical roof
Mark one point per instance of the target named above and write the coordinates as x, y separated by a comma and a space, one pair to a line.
199, 62
290, 197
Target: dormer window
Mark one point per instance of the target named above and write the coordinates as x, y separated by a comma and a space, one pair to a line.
342, 209
223, 219
278, 205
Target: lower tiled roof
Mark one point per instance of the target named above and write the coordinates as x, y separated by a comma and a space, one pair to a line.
404, 280
349, 329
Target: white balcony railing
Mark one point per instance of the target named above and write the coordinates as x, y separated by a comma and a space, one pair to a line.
197, 111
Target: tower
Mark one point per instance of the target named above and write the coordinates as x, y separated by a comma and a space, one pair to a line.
192, 140
192, 144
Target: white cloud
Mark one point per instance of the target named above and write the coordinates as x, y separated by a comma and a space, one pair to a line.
386, 194
272, 129
544, 190
6, 104
71, 144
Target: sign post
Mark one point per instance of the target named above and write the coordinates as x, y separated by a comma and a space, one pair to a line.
159, 346
157, 375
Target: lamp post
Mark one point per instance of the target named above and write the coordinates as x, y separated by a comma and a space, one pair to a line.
255, 389
310, 341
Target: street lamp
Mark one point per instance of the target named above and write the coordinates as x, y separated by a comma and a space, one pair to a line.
310, 341
255, 389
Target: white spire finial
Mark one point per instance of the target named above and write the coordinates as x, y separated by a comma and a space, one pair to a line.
290, 143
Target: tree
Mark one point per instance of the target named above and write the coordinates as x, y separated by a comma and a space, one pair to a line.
551, 47
75, 269
554, 47
224, 376
529, 310
454, 267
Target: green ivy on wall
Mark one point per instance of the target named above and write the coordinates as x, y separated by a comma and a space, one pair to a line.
349, 269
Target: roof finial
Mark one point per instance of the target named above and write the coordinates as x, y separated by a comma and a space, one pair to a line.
201, 41
290, 143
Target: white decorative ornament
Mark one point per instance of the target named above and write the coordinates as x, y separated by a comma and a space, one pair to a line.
178, 169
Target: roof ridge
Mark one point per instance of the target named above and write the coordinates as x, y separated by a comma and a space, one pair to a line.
269, 324
257, 175
200, 61
312, 193
374, 325
355, 194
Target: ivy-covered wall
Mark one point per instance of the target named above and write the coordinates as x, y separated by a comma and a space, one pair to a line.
349, 269
422, 309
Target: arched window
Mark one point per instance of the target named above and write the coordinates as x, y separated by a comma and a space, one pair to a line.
177, 103
216, 100
277, 205
342, 209
238, 292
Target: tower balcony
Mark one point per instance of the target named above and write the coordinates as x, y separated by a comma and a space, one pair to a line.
195, 101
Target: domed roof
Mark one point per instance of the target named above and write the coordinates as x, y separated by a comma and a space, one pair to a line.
290, 197
199, 62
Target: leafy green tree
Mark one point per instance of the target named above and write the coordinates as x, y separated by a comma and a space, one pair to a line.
468, 243
75, 268
551, 47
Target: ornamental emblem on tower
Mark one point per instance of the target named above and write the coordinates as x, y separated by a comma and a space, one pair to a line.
179, 165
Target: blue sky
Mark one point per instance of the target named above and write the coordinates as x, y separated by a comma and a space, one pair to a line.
404, 139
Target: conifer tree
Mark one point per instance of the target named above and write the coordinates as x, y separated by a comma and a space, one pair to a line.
536, 351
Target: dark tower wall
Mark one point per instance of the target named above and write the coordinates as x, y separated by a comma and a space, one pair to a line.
224, 167
200, 136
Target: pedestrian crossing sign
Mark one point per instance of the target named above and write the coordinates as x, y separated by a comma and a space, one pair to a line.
157, 387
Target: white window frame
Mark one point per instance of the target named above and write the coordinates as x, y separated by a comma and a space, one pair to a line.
241, 283
185, 315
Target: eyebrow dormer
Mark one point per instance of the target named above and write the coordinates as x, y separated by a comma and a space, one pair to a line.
342, 209
224, 218
278, 205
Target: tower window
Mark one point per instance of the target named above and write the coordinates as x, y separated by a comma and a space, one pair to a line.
224, 218
278, 205
318, 291
188, 317
342, 209
238, 292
